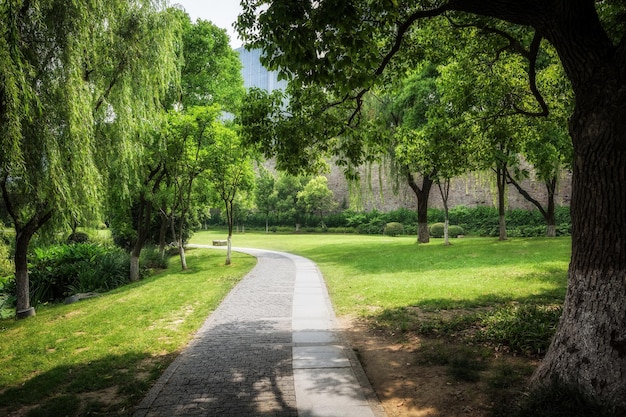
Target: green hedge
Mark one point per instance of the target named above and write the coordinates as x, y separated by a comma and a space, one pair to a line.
476, 221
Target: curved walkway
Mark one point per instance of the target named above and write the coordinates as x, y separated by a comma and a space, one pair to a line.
270, 349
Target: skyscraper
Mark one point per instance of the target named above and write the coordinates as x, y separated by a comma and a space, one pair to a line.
256, 75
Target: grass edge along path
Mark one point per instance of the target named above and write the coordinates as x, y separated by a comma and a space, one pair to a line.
101, 356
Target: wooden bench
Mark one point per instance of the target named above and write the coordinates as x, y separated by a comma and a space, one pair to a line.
220, 242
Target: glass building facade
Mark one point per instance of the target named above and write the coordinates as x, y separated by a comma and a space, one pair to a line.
255, 75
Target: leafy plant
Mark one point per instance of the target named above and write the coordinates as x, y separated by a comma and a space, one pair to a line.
61, 270
393, 229
436, 230
524, 329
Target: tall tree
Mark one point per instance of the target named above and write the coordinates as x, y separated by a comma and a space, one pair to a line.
265, 194
338, 45
79, 85
190, 136
317, 198
230, 173
210, 74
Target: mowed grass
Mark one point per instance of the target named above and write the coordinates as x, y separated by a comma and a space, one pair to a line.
69, 356
369, 274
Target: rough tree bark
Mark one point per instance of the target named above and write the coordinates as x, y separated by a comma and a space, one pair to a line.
589, 349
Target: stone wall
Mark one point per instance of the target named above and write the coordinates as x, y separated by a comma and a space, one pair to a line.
375, 190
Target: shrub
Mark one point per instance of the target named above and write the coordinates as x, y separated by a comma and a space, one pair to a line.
61, 270
78, 237
393, 229
151, 258
436, 230
524, 329
455, 231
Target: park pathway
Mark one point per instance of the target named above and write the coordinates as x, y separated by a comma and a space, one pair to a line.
270, 349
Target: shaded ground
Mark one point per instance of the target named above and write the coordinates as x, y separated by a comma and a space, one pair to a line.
428, 377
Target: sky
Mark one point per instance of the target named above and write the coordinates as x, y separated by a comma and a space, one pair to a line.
222, 13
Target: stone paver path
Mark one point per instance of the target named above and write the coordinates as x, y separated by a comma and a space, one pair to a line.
270, 349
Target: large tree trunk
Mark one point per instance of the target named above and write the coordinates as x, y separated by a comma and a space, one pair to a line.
23, 235
23, 307
422, 194
589, 348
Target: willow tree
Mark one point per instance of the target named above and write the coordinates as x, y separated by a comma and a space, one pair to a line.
79, 85
345, 45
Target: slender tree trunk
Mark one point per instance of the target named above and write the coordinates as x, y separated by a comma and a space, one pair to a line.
589, 348
267, 224
550, 212
23, 235
501, 183
163, 231
445, 194
229, 218
23, 307
143, 227
422, 194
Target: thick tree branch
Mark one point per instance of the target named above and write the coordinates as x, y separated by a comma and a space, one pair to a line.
532, 79
524, 193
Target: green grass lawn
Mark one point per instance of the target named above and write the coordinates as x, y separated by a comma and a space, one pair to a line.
121, 341
369, 274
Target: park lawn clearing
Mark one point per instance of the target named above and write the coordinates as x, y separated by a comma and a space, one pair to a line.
441, 331
102, 355
370, 274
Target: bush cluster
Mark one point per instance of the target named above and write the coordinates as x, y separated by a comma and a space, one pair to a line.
476, 221
58, 271
393, 229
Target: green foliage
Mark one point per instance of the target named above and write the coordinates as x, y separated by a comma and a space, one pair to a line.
455, 231
526, 329
211, 70
6, 265
78, 237
436, 230
393, 229
317, 198
59, 271
151, 258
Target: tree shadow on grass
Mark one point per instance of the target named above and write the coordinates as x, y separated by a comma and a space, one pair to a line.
106, 386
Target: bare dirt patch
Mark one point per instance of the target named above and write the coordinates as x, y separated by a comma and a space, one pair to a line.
409, 383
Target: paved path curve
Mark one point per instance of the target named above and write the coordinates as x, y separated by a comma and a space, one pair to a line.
270, 349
